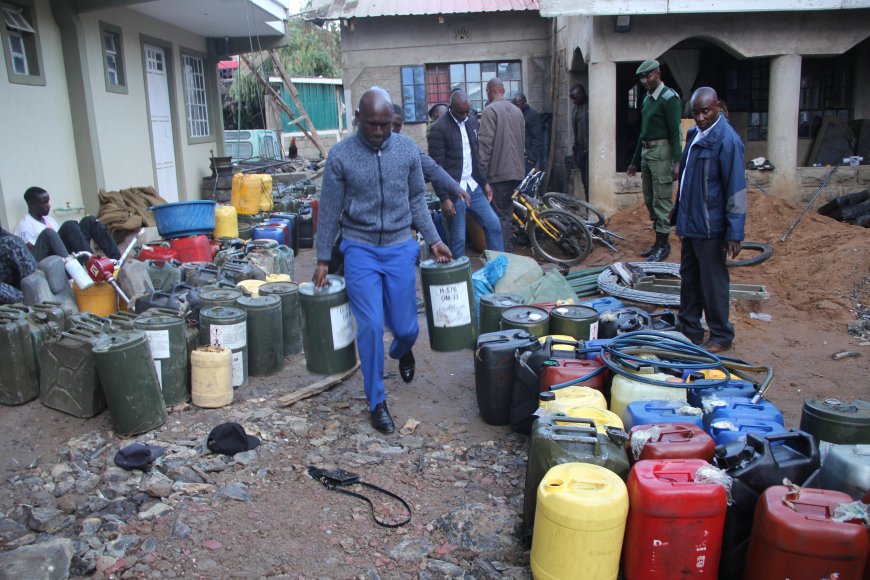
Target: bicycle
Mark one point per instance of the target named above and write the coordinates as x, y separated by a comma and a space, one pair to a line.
591, 216
556, 235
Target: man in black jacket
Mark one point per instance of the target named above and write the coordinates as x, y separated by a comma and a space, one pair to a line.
534, 132
453, 145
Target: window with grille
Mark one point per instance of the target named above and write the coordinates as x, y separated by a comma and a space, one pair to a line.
826, 91
195, 96
423, 87
113, 58
21, 43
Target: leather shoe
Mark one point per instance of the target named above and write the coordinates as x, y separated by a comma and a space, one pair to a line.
713, 346
381, 419
407, 364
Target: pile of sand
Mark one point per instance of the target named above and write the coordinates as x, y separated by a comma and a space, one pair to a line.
822, 261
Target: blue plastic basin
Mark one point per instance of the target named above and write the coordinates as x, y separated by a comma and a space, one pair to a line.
184, 218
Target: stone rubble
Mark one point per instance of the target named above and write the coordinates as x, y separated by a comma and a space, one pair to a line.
82, 515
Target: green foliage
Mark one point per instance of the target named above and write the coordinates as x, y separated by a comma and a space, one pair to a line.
311, 52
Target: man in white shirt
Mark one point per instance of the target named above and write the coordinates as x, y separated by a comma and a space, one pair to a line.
453, 144
45, 238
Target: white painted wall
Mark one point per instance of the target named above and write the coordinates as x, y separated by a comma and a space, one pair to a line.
122, 119
37, 143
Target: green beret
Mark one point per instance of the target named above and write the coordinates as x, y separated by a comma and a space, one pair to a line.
647, 66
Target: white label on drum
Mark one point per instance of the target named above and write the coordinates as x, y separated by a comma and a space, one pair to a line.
593, 331
158, 342
158, 365
342, 325
231, 336
238, 369
450, 306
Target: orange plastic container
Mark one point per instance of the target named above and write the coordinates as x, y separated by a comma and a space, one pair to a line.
675, 525
794, 536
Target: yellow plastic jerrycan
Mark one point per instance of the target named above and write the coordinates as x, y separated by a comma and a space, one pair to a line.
602, 417
98, 299
579, 523
576, 396
226, 222
249, 191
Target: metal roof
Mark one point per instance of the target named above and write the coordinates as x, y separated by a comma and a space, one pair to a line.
335, 9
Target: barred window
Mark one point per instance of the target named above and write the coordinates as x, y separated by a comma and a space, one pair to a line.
195, 96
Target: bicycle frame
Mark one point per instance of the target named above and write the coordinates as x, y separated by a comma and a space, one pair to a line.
525, 209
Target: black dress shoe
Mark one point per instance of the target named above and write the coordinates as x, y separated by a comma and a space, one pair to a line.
381, 419
407, 364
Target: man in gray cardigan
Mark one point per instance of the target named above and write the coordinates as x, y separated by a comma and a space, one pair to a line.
502, 140
373, 190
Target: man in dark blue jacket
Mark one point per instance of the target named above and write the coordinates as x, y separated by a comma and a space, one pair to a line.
709, 215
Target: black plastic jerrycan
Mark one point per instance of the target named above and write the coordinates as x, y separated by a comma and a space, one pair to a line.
494, 357
754, 465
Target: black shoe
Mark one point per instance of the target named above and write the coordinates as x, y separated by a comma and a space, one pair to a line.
381, 419
662, 250
407, 364
649, 251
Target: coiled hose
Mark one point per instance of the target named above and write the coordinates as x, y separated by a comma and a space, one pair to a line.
625, 355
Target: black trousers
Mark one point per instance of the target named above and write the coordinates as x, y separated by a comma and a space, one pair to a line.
75, 237
704, 287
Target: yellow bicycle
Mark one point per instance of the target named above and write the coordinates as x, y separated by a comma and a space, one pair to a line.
556, 235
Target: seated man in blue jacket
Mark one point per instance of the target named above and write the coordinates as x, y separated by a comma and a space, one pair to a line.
709, 215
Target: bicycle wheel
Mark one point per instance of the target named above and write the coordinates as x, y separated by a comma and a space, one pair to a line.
560, 237
589, 214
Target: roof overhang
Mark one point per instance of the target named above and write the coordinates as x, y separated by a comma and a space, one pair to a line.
207, 18
552, 8
338, 9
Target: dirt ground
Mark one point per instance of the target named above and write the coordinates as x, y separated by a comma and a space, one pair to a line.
294, 527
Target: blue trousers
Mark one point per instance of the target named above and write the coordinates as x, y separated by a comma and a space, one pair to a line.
483, 214
381, 288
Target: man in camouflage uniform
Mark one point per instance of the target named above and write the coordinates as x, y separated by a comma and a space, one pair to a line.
658, 154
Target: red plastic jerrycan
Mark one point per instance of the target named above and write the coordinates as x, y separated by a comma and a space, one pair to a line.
794, 536
158, 250
192, 249
558, 371
674, 528
670, 441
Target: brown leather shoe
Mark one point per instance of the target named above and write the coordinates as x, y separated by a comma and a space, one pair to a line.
714, 347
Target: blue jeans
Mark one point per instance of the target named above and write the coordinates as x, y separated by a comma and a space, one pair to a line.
381, 287
483, 214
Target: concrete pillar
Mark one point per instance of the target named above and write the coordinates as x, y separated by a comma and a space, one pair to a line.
602, 135
782, 124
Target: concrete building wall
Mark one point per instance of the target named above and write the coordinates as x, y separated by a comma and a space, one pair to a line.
37, 133
375, 49
744, 36
122, 119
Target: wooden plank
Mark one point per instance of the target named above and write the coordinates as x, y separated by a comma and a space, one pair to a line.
315, 388
272, 92
294, 94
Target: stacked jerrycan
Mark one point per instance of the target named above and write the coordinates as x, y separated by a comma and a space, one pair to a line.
843, 430
675, 520
797, 534
68, 380
494, 372
556, 440
19, 381
754, 465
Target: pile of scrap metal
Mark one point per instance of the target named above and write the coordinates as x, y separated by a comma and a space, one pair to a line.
126, 211
659, 283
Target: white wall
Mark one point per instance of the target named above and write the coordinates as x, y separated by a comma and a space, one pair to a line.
122, 119
37, 144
